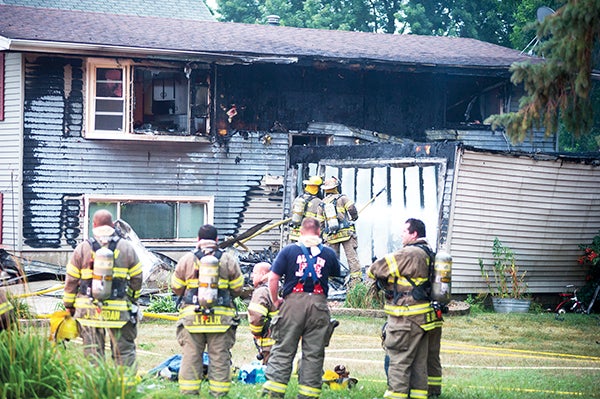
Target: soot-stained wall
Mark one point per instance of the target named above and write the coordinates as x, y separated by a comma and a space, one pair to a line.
402, 104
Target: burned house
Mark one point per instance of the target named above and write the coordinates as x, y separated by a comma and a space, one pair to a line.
172, 122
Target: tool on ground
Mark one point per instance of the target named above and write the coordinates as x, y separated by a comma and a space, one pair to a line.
339, 378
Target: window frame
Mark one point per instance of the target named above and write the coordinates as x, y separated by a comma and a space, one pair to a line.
127, 133
208, 201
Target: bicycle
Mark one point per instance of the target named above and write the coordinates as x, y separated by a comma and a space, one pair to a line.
571, 303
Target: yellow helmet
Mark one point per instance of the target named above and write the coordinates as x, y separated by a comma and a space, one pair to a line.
63, 326
312, 185
313, 181
334, 381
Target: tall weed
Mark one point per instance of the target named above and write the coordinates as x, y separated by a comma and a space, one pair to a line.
21, 307
33, 367
102, 380
30, 366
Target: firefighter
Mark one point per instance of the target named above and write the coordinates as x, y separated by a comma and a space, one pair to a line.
305, 205
6, 312
261, 311
337, 214
303, 312
410, 314
207, 280
102, 303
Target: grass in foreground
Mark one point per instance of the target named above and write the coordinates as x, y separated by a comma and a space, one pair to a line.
485, 355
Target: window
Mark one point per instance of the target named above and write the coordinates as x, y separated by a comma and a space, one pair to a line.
142, 101
470, 101
311, 139
156, 219
109, 102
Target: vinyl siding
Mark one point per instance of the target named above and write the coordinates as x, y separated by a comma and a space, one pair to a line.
495, 140
540, 208
10, 156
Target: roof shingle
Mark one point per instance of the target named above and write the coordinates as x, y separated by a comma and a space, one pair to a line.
181, 9
191, 36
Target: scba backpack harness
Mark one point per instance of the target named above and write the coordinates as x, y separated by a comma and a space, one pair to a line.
426, 291
103, 286
332, 223
309, 275
207, 294
422, 292
299, 208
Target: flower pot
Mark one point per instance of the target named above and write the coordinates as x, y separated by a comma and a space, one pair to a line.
511, 305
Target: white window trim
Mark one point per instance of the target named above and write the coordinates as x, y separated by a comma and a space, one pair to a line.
90, 106
209, 201
92, 65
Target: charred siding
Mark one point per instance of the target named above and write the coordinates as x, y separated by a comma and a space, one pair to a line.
45, 107
60, 165
394, 103
495, 140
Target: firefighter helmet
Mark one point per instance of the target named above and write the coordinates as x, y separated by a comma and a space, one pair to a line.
312, 185
331, 183
63, 326
313, 181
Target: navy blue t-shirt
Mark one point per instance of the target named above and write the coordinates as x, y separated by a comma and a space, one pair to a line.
291, 262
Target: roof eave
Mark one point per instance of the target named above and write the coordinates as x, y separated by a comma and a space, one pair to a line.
85, 49
95, 50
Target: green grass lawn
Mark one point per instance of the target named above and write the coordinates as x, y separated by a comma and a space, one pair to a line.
484, 355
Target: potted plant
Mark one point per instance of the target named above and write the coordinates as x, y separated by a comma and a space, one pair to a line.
507, 285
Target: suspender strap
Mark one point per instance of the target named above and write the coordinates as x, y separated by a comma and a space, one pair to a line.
310, 265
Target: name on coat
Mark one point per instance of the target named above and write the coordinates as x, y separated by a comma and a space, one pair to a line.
207, 320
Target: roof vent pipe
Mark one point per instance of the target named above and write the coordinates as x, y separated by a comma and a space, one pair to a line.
273, 20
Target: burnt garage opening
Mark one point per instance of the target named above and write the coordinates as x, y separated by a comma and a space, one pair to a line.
388, 183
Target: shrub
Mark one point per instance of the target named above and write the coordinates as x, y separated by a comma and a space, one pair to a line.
477, 303
360, 296
162, 304
240, 305
105, 379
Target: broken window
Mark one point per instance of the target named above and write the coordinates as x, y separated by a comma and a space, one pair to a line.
156, 219
128, 100
311, 139
470, 101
